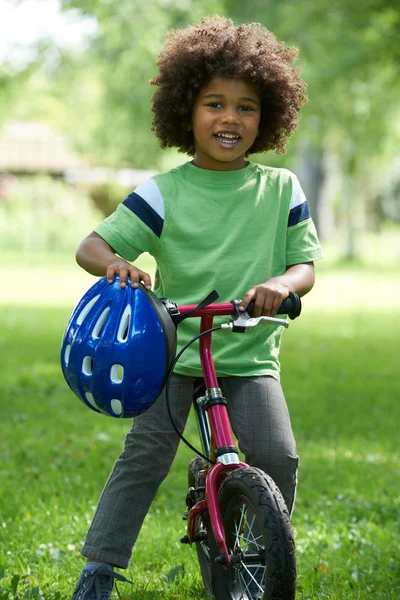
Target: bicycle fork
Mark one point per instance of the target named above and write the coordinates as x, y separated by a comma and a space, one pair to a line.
212, 416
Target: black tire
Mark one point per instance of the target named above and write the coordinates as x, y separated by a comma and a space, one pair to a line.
196, 481
259, 536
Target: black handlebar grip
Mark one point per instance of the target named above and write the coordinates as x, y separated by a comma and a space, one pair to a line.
290, 307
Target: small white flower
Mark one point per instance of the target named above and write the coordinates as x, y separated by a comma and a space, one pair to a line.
103, 437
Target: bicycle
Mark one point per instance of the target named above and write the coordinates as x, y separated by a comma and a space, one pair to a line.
236, 515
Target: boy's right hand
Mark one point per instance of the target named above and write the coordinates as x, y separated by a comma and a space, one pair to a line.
127, 272
97, 257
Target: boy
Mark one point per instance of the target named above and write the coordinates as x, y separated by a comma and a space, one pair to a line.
217, 222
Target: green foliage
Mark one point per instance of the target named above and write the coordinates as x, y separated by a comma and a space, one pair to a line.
43, 214
348, 52
12, 84
107, 196
350, 62
349, 55
130, 34
67, 92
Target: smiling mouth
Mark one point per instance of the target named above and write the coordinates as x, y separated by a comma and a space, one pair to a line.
227, 139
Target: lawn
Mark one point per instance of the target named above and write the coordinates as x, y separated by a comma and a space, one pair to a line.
342, 382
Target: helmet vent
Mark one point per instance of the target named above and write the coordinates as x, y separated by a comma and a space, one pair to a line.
116, 407
91, 401
123, 329
98, 328
87, 366
117, 373
67, 353
84, 312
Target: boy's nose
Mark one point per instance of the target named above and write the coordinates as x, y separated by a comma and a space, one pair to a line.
229, 116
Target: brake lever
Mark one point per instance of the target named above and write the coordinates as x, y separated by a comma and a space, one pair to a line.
243, 322
254, 321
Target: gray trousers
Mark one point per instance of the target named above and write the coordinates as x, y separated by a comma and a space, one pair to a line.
260, 421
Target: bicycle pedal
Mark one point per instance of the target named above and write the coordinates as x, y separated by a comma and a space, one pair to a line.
185, 540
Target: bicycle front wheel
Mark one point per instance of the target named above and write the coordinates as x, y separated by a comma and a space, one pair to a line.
259, 539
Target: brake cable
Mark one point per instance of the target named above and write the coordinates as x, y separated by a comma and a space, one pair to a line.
185, 347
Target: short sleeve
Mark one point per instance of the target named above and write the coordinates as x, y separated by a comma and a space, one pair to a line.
302, 239
136, 225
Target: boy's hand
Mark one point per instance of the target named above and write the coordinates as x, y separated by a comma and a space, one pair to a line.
268, 297
97, 257
126, 272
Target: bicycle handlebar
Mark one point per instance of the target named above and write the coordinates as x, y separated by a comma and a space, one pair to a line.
291, 307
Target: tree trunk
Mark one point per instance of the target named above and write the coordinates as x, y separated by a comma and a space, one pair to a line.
311, 174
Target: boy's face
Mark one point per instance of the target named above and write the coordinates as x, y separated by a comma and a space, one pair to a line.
225, 122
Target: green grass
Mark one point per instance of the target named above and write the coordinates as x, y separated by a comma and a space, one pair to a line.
342, 382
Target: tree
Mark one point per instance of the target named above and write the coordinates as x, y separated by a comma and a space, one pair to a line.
350, 59
12, 83
349, 56
130, 33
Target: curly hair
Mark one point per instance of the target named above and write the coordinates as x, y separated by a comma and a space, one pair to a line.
191, 57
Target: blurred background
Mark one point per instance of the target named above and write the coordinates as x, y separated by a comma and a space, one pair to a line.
75, 121
75, 138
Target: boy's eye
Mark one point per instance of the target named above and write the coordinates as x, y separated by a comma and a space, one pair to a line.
241, 108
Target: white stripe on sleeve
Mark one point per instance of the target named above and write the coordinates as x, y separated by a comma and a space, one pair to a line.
298, 196
150, 192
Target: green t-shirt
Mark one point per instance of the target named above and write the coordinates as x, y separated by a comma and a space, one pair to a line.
222, 230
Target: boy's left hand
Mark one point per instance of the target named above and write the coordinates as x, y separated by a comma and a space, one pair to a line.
268, 297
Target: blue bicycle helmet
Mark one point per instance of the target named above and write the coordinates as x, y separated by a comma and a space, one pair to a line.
117, 348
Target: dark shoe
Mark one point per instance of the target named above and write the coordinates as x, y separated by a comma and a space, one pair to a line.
97, 583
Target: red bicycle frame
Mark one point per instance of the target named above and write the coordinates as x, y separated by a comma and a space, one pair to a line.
221, 433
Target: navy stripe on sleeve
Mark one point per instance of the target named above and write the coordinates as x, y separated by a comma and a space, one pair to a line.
298, 214
145, 212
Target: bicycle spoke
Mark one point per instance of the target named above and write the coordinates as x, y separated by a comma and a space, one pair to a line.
253, 541
246, 534
252, 579
236, 544
247, 530
239, 529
